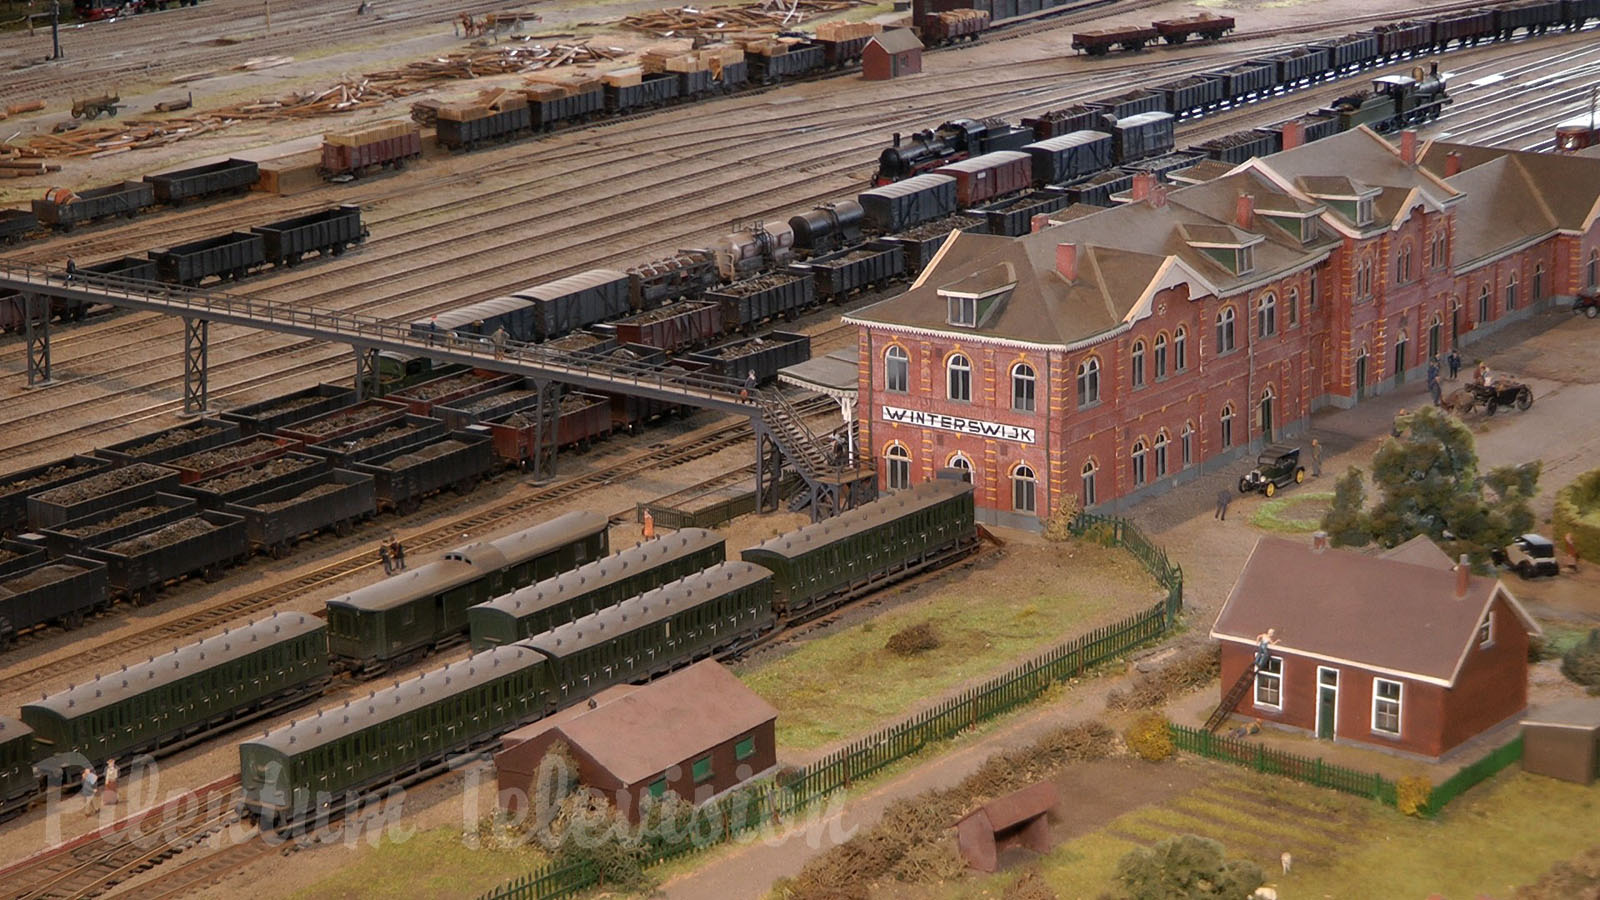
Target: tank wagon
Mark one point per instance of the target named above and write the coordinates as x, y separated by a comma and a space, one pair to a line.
594, 586
409, 615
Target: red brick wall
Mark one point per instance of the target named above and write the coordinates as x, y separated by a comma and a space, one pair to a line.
1493, 684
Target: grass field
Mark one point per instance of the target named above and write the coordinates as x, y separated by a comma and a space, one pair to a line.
1295, 513
1503, 834
846, 684
433, 863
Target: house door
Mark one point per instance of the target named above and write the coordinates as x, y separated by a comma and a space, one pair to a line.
1327, 701
1361, 377
1400, 362
1266, 417
1455, 323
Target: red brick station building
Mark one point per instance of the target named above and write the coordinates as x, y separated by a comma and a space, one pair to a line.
1120, 351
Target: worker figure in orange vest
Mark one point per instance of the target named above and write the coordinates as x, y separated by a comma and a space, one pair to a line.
649, 525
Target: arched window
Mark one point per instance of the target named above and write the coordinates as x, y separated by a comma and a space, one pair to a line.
896, 370
1161, 455
1435, 337
1024, 489
1225, 330
897, 462
1227, 426
1511, 292
1292, 302
1180, 358
1088, 382
1022, 382
1483, 304
1137, 363
1186, 438
1311, 291
1594, 268
1402, 264
1138, 463
1267, 315
1538, 282
1161, 356
959, 461
1090, 497
960, 377
1441, 249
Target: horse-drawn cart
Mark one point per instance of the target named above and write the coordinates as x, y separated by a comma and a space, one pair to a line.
1504, 392
92, 107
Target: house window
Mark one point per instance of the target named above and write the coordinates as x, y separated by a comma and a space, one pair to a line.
963, 311
898, 464
1293, 304
1161, 454
702, 769
1538, 282
1402, 265
1138, 364
1225, 331
960, 461
1594, 268
1385, 706
1364, 211
745, 749
1244, 260
1511, 292
658, 787
1089, 495
1483, 304
1138, 463
1180, 358
1441, 250
1024, 488
1161, 356
1267, 315
1311, 292
896, 370
1310, 229
1186, 438
960, 378
1486, 630
1227, 426
1269, 683
1022, 387
1088, 382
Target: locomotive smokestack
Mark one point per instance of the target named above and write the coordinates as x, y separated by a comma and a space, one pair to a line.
897, 138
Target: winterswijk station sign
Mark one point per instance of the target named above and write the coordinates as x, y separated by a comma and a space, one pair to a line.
978, 427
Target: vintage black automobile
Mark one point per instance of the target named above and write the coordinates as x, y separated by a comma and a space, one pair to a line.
1530, 555
1504, 392
1278, 465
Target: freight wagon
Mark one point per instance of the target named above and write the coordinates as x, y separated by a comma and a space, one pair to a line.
828, 227
385, 145
673, 328
797, 60
224, 256
1464, 28
1247, 79
687, 274
951, 26
376, 440
309, 403
62, 591
15, 223
1192, 95
746, 304
327, 232
763, 355
652, 90
1533, 16
17, 556
1351, 51
1242, 145
1300, 65
476, 321
1206, 26
406, 476
64, 210
233, 176
1064, 159
277, 519
216, 493
1016, 217
14, 311
109, 526
17, 487
556, 106
838, 275
1147, 134
128, 267
576, 301
421, 398
922, 242
139, 566
79, 498
1130, 104
581, 418
491, 126
1097, 190
239, 454
1057, 122
495, 402
593, 586
980, 179
905, 204
345, 420
1101, 41
171, 443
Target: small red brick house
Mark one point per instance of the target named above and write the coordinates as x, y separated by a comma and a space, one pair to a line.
698, 733
1404, 651
891, 54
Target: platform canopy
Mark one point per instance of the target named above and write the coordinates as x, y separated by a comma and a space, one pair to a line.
836, 375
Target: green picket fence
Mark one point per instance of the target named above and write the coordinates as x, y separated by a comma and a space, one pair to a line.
1472, 775
742, 811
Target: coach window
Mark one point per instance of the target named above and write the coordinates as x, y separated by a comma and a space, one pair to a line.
896, 370
1088, 382
1511, 292
1024, 488
1180, 344
960, 377
1267, 315
1161, 357
1089, 497
1022, 382
1227, 426
1225, 330
1137, 363
1138, 464
898, 462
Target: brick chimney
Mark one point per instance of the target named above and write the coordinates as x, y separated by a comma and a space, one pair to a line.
1452, 164
1067, 261
1294, 134
1244, 214
1143, 182
1040, 222
1158, 195
1319, 541
1463, 572
1408, 146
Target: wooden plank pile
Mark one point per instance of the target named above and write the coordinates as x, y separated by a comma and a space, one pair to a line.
655, 60
499, 61
768, 16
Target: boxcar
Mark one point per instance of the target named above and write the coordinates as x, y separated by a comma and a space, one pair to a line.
594, 586
821, 565
65, 210
229, 176
896, 207
225, 256
411, 614
180, 697
19, 780
476, 321
1147, 134
326, 232
568, 304
980, 179
62, 591
1069, 157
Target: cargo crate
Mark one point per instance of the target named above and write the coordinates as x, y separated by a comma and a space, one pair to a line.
80, 498
121, 521
201, 434
905, 204
277, 519
270, 415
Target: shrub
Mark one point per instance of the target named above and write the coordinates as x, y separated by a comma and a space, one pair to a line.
1196, 666
1581, 664
1150, 738
910, 641
1411, 794
1058, 527
1187, 867
1031, 886
1575, 511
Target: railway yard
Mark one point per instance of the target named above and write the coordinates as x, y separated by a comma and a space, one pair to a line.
454, 229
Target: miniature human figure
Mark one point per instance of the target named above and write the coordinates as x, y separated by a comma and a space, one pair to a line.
749, 385
91, 799
111, 782
1316, 458
649, 525
1224, 497
1264, 642
1572, 550
1454, 360
383, 554
398, 552
1481, 374
72, 270
1433, 368
1433, 387
499, 341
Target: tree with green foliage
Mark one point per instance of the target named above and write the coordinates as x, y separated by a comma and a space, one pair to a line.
1186, 868
1428, 482
1581, 664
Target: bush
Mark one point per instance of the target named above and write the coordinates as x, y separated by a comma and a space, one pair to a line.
1058, 527
919, 638
1581, 664
1150, 738
1576, 510
1186, 868
1194, 667
1411, 795
1031, 886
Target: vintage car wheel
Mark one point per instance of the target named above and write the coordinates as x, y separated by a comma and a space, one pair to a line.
1524, 570
1490, 407
1244, 485
1271, 488
1524, 398
1592, 310
1300, 475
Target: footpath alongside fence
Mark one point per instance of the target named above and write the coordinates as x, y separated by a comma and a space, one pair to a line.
749, 808
1340, 778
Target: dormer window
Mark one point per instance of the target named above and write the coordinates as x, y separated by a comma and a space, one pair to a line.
1364, 211
972, 301
1310, 230
1244, 260
963, 311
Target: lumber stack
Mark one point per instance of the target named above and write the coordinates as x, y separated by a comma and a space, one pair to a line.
688, 21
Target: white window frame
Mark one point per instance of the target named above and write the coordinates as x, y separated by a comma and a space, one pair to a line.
1160, 355
1180, 349
1486, 630
962, 311
959, 460
1022, 375
896, 457
950, 372
1023, 480
1136, 364
1268, 673
892, 356
1088, 483
1399, 706
1140, 472
1187, 438
1089, 383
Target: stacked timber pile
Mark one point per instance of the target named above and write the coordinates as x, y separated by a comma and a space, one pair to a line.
769, 15
487, 103
655, 60
838, 32
369, 134
498, 61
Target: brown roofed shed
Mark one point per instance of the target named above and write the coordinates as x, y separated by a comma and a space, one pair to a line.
891, 54
1562, 740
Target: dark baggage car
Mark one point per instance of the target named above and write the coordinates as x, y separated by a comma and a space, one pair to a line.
1067, 158
229, 176
225, 256
904, 204
329, 231
576, 301
64, 210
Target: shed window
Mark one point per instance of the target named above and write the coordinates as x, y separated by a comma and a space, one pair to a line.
658, 787
745, 749
1269, 683
702, 769
1386, 706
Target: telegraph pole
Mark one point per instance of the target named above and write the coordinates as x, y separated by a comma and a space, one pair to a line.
55, 29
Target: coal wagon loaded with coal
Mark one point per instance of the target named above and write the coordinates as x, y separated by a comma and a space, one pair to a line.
117, 523
763, 355
61, 591
171, 443
674, 328
405, 476
205, 544
277, 519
